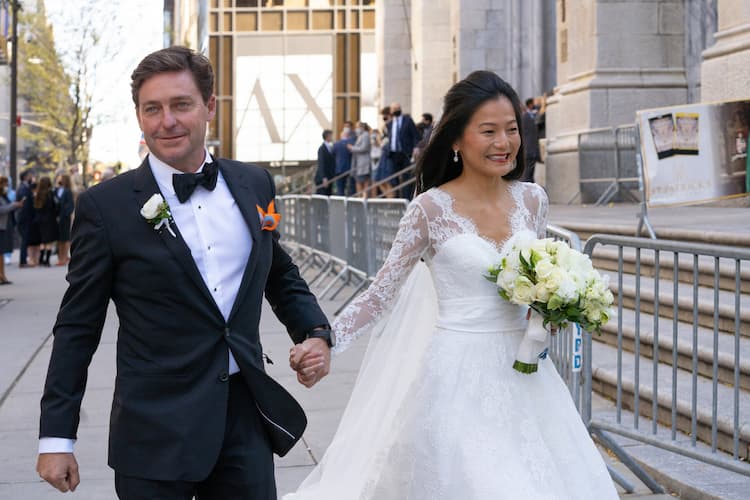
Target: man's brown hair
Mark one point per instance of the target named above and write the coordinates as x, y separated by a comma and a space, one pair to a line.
174, 59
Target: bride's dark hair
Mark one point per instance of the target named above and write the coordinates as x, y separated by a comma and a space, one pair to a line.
436, 165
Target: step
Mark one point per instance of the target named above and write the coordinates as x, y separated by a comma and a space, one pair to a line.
705, 301
607, 258
604, 382
683, 476
705, 343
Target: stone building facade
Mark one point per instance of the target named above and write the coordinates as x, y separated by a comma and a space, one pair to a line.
605, 60
600, 60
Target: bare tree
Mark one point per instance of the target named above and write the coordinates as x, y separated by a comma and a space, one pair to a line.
90, 34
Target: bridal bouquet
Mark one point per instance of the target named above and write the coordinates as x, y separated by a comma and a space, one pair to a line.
560, 284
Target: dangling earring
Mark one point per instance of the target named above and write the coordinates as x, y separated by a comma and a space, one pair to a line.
455, 156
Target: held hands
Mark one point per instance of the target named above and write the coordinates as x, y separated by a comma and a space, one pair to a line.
59, 469
311, 360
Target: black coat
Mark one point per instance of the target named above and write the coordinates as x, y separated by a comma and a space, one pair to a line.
408, 135
326, 165
171, 389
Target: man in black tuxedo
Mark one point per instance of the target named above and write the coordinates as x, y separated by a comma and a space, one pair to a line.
194, 412
326, 165
402, 137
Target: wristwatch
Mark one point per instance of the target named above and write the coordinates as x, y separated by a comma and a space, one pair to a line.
323, 333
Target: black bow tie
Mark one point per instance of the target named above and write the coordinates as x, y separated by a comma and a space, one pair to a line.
185, 184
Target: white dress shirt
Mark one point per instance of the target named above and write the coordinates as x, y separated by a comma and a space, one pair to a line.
213, 228
394, 132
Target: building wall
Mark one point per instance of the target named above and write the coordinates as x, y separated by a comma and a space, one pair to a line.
424, 46
725, 71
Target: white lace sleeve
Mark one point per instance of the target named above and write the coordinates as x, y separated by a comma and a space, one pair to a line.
410, 243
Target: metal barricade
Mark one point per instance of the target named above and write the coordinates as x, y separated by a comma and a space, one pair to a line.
320, 238
682, 305
566, 347
608, 169
337, 226
304, 213
383, 217
288, 210
357, 248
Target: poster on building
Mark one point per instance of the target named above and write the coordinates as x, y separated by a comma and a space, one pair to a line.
695, 153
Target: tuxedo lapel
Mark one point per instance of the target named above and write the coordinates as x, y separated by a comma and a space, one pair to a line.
145, 187
246, 198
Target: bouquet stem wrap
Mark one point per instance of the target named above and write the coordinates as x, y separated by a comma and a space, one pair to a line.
533, 344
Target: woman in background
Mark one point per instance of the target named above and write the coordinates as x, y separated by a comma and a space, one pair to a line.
361, 158
43, 230
7, 208
64, 202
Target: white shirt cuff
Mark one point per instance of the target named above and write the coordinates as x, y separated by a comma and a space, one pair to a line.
56, 445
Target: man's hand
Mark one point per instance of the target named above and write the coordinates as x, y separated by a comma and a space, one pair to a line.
59, 469
311, 360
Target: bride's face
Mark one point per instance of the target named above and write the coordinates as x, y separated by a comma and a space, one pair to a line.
491, 140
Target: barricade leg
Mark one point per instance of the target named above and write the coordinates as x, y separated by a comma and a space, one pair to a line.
620, 479
623, 456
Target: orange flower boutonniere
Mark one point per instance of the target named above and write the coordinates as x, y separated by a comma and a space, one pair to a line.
269, 219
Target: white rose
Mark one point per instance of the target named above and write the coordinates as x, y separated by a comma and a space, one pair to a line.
150, 209
542, 292
523, 291
544, 269
506, 278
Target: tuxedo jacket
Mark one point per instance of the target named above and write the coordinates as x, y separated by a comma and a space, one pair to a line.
408, 135
170, 399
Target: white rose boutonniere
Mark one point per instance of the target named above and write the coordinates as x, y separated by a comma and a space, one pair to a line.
156, 212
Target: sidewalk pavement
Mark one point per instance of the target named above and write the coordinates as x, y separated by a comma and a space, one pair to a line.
27, 313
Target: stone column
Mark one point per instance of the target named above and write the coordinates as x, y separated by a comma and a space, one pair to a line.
725, 73
509, 38
432, 58
393, 47
614, 58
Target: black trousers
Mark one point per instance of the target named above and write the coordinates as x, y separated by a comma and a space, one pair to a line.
243, 471
400, 162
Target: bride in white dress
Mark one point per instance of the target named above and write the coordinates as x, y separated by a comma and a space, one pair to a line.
437, 411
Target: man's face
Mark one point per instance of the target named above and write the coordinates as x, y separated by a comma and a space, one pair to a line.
173, 118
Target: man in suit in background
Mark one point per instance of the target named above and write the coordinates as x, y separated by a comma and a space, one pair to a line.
24, 215
185, 246
343, 158
326, 165
403, 136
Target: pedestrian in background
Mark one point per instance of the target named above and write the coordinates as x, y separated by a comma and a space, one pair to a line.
43, 229
64, 202
326, 165
385, 165
361, 158
343, 159
425, 131
7, 208
24, 215
403, 136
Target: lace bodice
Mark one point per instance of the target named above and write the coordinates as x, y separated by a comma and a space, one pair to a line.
454, 250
